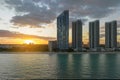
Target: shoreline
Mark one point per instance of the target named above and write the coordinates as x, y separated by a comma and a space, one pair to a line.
59, 52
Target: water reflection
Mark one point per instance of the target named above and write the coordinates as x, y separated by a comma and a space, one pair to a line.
102, 66
74, 66
111, 65
85, 63
76, 60
62, 65
94, 61
59, 66
96, 66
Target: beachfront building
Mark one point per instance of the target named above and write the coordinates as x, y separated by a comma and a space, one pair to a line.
94, 35
52, 45
77, 35
111, 34
63, 30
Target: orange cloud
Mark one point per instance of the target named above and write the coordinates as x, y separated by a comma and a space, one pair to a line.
8, 37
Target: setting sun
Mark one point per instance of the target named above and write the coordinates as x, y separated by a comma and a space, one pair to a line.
29, 42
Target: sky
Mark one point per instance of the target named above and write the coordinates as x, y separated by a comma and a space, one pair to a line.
35, 20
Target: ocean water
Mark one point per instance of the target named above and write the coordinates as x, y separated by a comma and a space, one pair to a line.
59, 66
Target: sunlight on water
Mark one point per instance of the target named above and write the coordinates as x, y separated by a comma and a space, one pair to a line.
59, 66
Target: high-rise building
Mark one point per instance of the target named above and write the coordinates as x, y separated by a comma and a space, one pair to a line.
73, 35
111, 34
77, 35
91, 35
63, 30
94, 35
97, 32
114, 34
107, 35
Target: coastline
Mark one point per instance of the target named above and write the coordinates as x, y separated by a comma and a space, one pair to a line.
5, 52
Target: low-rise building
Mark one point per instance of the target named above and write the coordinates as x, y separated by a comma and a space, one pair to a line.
52, 45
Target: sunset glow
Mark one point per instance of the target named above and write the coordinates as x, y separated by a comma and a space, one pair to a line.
29, 42
36, 20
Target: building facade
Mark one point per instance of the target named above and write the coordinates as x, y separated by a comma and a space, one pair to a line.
63, 30
94, 35
114, 34
107, 35
77, 35
91, 35
52, 45
111, 34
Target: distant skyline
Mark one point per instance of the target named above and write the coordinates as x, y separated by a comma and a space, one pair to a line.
35, 20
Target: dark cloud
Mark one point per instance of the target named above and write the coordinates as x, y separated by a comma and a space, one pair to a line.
36, 12
33, 14
29, 20
6, 33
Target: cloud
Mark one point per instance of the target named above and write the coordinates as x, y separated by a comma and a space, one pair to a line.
30, 14
10, 34
29, 20
37, 12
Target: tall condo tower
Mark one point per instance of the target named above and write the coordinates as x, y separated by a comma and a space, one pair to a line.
111, 34
77, 35
63, 30
94, 35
